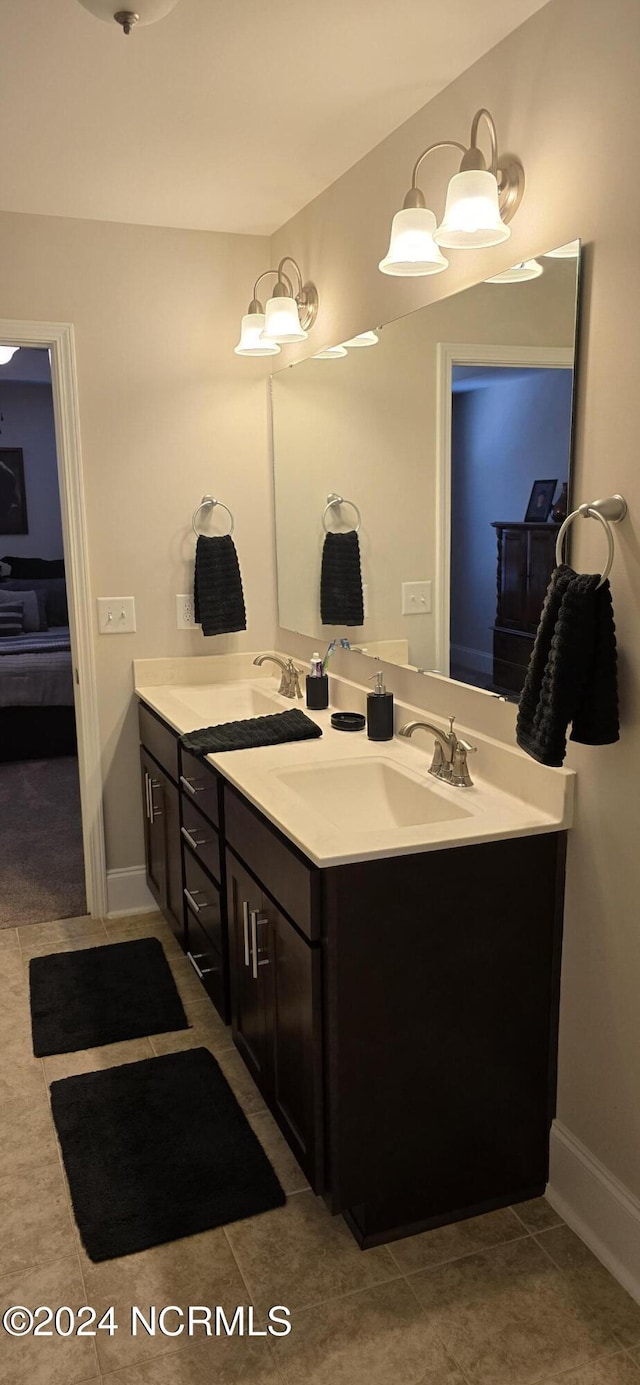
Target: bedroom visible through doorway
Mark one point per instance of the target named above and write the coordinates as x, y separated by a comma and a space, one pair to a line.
41, 845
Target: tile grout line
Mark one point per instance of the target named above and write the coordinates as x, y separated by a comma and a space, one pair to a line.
250, 1297
480, 1250
537, 1237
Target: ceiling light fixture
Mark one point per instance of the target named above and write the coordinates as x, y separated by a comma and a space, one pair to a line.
6, 353
287, 318
518, 274
480, 202
145, 12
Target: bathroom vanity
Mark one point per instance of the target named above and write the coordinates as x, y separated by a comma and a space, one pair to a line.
397, 1007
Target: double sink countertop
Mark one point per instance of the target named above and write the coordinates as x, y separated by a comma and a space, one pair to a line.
343, 798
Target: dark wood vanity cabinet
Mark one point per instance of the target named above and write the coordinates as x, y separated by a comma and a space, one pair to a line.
525, 561
162, 840
399, 1016
276, 1013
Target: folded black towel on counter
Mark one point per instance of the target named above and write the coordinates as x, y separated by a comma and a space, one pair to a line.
572, 675
217, 587
244, 735
341, 601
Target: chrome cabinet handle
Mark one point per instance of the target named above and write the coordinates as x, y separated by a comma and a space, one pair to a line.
255, 963
146, 796
191, 840
195, 908
155, 812
191, 786
245, 929
199, 972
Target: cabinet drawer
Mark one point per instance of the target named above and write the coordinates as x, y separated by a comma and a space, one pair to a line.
202, 899
207, 962
293, 883
159, 739
200, 836
200, 784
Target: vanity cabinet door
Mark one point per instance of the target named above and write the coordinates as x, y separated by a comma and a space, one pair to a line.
248, 953
293, 969
154, 828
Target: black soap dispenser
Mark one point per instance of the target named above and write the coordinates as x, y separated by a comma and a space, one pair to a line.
379, 711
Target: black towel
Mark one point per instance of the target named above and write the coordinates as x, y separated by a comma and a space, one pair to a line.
217, 586
243, 735
572, 671
341, 600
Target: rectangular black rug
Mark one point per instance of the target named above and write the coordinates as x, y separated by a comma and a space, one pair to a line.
158, 1150
102, 995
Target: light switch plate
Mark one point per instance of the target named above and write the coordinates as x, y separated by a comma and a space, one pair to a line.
116, 615
416, 598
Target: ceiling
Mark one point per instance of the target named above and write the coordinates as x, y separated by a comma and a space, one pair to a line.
228, 115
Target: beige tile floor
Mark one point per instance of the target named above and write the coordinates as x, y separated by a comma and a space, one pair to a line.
511, 1298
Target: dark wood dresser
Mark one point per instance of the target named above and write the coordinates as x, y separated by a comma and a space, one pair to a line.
526, 559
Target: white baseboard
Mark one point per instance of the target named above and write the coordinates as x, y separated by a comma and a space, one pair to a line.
603, 1212
127, 892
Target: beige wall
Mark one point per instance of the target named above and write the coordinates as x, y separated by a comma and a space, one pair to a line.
564, 91
167, 413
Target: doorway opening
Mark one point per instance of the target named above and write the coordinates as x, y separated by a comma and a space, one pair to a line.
52, 858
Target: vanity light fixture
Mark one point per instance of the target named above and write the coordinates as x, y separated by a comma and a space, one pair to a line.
6, 353
518, 274
570, 251
362, 339
287, 318
480, 202
330, 353
145, 12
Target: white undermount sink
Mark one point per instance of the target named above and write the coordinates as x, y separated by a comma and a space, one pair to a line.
209, 706
371, 794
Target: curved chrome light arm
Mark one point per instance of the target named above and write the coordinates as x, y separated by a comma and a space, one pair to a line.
483, 113
296, 266
255, 305
415, 197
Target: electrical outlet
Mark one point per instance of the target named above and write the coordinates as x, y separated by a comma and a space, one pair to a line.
116, 615
185, 615
416, 598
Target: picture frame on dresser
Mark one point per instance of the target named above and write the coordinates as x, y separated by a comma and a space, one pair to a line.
540, 501
13, 496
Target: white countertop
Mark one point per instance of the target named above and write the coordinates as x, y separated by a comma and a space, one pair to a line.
512, 796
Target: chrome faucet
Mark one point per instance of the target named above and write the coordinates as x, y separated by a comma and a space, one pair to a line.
450, 753
290, 680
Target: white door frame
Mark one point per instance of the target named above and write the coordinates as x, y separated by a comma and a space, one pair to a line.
59, 338
449, 354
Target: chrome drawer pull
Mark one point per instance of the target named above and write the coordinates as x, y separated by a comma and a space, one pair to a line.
191, 840
146, 795
245, 929
255, 920
155, 812
191, 785
206, 970
196, 908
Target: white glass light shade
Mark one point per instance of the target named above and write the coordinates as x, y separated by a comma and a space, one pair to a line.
518, 274
148, 11
282, 322
472, 212
412, 249
362, 339
252, 343
570, 251
331, 353
6, 352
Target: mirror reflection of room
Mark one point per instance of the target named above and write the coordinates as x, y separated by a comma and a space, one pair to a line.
449, 437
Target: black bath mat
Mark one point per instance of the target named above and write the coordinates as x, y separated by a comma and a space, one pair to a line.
158, 1150
102, 995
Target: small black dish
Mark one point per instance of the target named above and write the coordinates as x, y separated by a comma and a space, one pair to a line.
348, 721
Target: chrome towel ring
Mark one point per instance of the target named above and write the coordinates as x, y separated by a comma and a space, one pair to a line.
209, 502
609, 511
334, 499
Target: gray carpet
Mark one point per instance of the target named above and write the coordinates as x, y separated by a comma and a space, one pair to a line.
41, 858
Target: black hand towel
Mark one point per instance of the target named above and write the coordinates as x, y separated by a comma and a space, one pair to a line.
572, 671
217, 587
341, 600
243, 735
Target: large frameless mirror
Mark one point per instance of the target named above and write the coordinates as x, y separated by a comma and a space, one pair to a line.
445, 439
